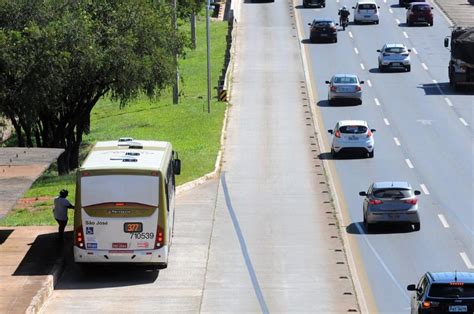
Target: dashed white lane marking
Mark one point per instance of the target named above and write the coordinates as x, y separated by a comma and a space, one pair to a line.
377, 102
410, 165
356, 50
386, 121
443, 220
425, 190
405, 34
390, 10
369, 83
397, 20
463, 121
414, 50
397, 142
446, 99
424, 66
362, 66
350, 34
466, 260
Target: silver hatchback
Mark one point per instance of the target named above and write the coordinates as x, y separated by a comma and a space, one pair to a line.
344, 86
390, 202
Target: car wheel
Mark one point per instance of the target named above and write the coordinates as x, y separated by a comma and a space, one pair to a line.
311, 40
356, 22
409, 23
368, 227
334, 154
335, 40
381, 68
330, 101
371, 154
408, 68
431, 24
417, 226
376, 22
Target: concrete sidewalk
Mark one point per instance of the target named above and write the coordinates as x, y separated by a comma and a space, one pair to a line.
30, 263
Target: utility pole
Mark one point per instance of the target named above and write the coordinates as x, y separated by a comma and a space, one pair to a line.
176, 83
208, 36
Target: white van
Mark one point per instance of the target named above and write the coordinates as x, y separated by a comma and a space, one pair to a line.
366, 12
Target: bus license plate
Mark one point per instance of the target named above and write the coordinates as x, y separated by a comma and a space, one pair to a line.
457, 308
131, 227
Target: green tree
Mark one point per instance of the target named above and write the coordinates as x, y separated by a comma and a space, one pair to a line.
59, 57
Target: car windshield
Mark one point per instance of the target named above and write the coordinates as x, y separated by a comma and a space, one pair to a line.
421, 8
353, 129
345, 80
451, 291
395, 50
392, 193
367, 6
322, 23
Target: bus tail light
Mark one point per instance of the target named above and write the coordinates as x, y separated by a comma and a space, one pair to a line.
160, 237
79, 239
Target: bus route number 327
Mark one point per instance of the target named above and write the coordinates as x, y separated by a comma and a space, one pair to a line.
135, 229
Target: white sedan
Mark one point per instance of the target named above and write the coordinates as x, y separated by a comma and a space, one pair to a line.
352, 136
394, 56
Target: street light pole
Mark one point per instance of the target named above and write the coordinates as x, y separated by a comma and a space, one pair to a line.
176, 82
208, 4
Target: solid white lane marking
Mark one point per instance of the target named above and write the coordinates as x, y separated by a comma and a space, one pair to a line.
443, 220
397, 20
425, 190
356, 50
405, 34
377, 102
386, 121
414, 50
362, 66
463, 121
450, 104
397, 142
424, 66
466, 260
350, 34
369, 83
390, 10
410, 165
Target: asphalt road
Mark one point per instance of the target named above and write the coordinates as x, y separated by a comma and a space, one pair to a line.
424, 136
263, 237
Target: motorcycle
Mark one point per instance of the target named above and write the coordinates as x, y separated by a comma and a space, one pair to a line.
344, 22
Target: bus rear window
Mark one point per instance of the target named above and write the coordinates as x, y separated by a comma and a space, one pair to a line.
102, 189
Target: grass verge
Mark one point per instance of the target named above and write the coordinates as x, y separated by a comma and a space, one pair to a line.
194, 133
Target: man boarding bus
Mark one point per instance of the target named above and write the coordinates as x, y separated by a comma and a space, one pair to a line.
125, 200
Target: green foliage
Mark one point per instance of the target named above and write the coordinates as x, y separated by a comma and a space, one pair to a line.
194, 133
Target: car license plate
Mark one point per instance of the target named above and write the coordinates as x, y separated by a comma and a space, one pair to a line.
324, 35
421, 19
353, 138
393, 216
457, 308
396, 64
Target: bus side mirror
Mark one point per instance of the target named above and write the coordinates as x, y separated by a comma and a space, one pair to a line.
177, 166
446, 42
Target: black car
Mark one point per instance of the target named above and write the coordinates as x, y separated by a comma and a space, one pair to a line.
444, 292
323, 30
319, 3
406, 3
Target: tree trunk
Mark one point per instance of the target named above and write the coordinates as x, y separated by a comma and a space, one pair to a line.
17, 127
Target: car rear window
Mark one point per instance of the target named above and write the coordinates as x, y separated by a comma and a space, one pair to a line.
367, 6
421, 8
450, 291
392, 193
322, 23
345, 80
353, 129
395, 50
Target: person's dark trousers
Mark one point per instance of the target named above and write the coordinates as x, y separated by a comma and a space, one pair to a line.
62, 225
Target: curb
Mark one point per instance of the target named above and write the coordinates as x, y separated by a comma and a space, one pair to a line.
43, 294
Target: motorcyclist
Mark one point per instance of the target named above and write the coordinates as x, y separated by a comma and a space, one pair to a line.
343, 14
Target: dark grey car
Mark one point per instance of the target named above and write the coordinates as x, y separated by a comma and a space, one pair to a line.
390, 202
